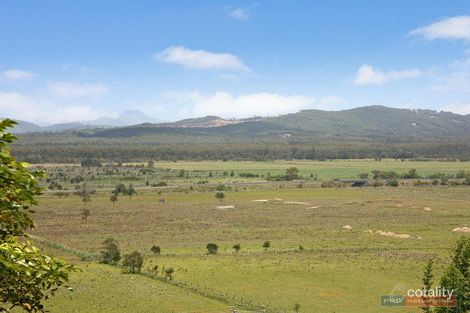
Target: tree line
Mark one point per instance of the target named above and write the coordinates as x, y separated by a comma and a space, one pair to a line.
132, 152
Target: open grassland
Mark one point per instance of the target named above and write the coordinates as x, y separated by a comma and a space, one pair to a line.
336, 270
322, 169
101, 288
200, 174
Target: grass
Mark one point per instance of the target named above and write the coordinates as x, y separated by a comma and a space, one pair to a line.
104, 289
338, 270
170, 172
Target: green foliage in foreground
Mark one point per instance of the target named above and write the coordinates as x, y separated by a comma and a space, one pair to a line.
456, 278
27, 276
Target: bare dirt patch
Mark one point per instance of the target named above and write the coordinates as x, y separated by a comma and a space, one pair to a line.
296, 202
392, 234
225, 207
463, 229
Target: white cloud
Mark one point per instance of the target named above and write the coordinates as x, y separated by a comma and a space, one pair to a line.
457, 27
368, 75
239, 14
227, 105
201, 59
43, 110
459, 108
77, 90
17, 75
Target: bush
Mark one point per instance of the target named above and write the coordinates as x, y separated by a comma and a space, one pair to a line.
266, 245
212, 248
110, 253
237, 247
155, 249
133, 262
392, 183
219, 195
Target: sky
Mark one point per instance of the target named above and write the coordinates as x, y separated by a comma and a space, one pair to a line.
65, 61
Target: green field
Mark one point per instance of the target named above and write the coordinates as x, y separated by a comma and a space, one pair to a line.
323, 169
198, 174
336, 270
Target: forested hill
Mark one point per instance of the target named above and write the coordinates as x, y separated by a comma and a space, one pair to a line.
366, 132
373, 124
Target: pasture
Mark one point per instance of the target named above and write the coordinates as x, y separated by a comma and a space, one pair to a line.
312, 261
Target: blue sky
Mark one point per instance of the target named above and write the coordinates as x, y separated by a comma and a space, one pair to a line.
63, 61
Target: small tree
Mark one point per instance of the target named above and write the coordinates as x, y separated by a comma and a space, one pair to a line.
292, 173
85, 213
85, 193
237, 247
212, 248
113, 198
131, 191
232, 173
169, 273
266, 245
456, 278
220, 195
110, 253
155, 249
427, 282
120, 189
363, 175
133, 262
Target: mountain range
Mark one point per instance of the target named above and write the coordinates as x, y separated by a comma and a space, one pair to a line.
371, 123
125, 119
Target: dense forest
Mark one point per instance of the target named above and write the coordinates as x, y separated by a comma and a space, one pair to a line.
127, 152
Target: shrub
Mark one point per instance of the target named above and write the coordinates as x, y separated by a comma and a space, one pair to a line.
133, 262
169, 273
392, 183
266, 245
155, 249
363, 175
212, 248
110, 253
219, 195
237, 247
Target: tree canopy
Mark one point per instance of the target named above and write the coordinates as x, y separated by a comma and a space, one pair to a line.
28, 276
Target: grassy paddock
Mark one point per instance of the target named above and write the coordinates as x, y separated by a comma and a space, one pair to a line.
337, 270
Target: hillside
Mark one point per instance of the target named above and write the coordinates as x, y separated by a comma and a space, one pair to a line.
373, 123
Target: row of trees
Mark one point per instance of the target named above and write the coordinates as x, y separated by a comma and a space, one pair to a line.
212, 248
41, 152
